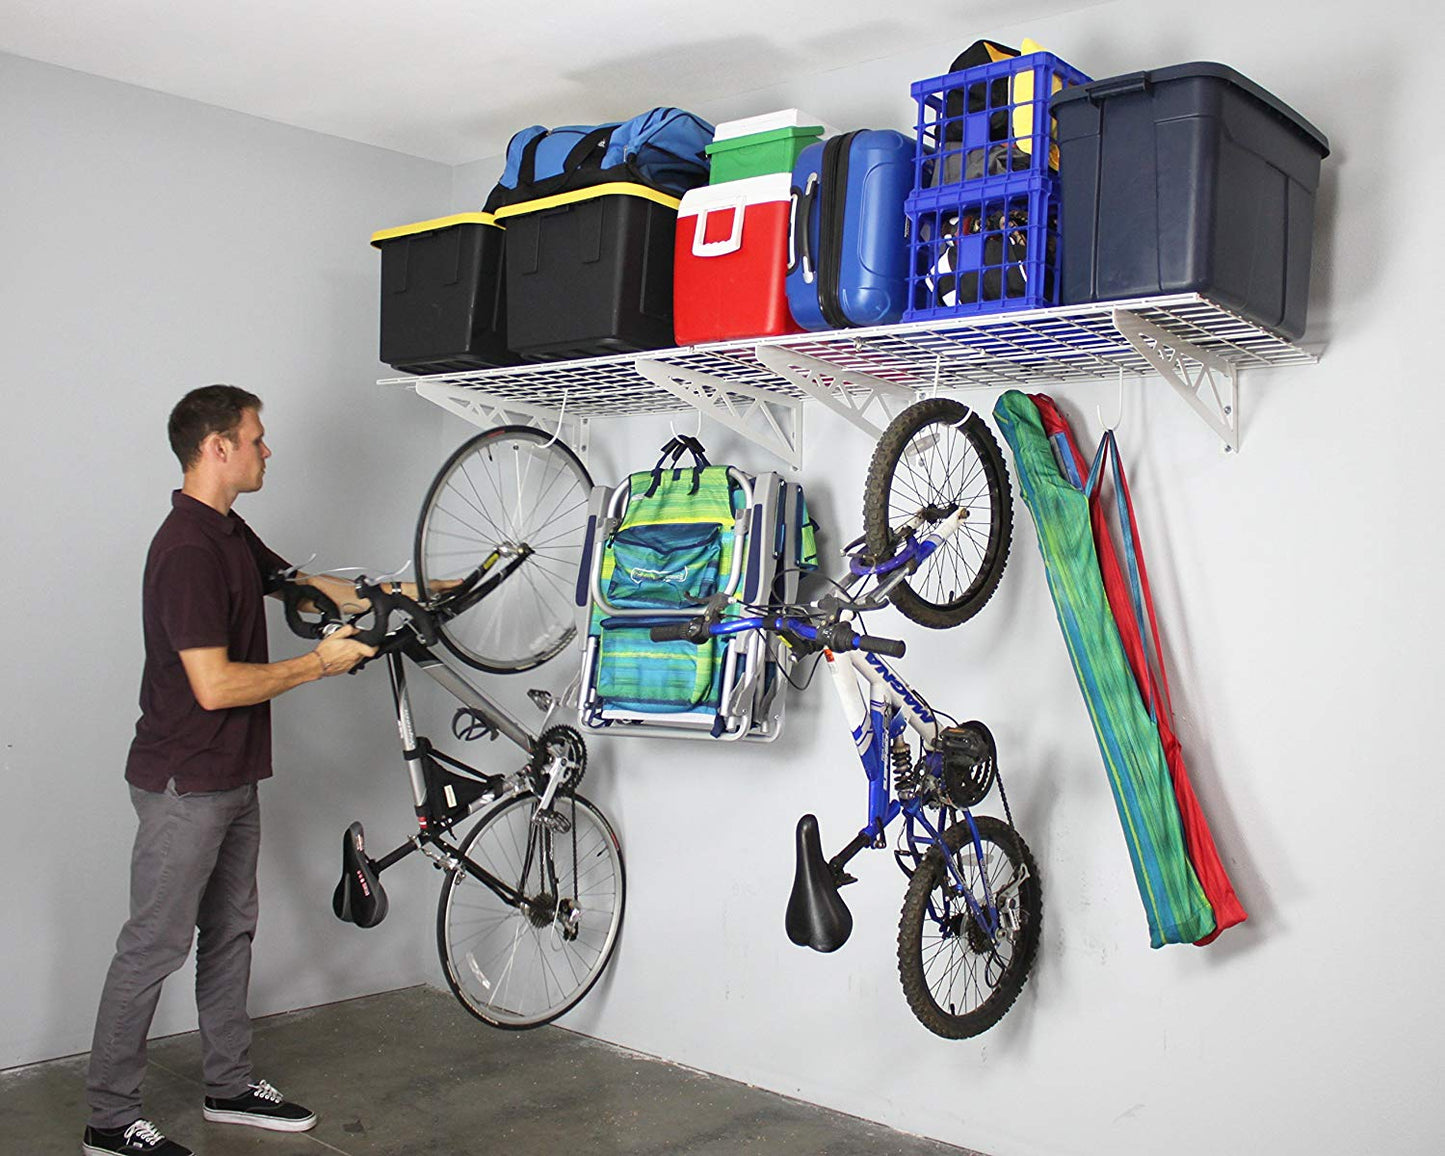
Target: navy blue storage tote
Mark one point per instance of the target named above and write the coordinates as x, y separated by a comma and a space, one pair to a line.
1190, 179
848, 259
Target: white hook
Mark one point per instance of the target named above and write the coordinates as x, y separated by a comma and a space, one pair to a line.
561, 413
697, 433
1119, 419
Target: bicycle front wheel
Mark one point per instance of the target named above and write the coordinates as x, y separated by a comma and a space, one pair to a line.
958, 979
520, 964
935, 456
519, 494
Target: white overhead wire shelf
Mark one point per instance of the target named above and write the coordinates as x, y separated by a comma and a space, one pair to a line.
1189, 341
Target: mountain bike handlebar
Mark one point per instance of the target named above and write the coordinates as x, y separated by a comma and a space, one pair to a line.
835, 636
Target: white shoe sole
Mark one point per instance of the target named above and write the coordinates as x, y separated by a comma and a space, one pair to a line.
252, 1120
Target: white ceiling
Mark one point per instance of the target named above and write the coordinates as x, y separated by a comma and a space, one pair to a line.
451, 80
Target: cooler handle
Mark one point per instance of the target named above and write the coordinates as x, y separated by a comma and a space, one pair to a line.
729, 244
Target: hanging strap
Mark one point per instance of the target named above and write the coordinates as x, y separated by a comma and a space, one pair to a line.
676, 447
1139, 590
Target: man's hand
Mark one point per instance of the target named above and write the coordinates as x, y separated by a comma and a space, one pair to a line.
339, 652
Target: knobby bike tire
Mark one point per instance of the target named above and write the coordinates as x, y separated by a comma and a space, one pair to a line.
954, 584
505, 967
955, 963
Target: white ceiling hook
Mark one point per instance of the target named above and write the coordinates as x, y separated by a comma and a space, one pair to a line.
561, 414
1119, 411
696, 433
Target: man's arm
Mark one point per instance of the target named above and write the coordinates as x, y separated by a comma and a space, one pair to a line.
219, 683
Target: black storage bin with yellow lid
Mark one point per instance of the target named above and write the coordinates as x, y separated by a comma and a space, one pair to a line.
1188, 179
589, 272
443, 301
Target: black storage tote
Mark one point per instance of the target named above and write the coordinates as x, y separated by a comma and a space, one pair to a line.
443, 307
590, 272
1188, 179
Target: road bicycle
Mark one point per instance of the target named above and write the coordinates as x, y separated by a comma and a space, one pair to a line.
973, 908
533, 895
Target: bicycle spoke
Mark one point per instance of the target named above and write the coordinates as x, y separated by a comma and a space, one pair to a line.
508, 489
504, 967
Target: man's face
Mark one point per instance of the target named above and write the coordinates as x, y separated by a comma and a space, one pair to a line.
246, 458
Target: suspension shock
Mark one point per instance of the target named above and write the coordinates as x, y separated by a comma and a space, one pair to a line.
906, 777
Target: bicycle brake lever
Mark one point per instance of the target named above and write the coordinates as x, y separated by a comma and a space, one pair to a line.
383, 604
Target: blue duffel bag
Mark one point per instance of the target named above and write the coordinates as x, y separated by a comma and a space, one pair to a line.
664, 149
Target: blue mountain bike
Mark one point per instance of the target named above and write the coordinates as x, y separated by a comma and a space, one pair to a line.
973, 908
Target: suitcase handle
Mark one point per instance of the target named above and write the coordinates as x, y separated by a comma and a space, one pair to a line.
729, 244
800, 249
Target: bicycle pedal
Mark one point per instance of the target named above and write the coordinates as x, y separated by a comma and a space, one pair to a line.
541, 699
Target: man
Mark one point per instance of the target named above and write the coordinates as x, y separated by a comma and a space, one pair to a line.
202, 744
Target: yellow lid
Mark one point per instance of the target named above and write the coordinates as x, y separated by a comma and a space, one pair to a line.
433, 225
611, 189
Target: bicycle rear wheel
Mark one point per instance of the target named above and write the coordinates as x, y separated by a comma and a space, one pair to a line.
936, 455
515, 492
958, 980
522, 965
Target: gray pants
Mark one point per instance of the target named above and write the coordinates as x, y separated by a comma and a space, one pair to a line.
193, 868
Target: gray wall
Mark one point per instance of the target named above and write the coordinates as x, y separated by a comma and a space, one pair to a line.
150, 245
1297, 584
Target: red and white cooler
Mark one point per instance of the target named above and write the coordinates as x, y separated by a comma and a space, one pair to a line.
731, 261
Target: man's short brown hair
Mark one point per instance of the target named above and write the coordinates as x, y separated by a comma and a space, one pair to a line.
202, 412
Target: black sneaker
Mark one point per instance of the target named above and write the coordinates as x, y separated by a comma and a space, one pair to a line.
261, 1107
139, 1139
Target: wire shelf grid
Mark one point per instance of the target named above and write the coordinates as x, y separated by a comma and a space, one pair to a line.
1031, 349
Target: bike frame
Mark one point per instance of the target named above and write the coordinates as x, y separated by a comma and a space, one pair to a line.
890, 708
416, 751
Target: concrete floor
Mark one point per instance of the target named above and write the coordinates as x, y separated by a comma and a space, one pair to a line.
409, 1073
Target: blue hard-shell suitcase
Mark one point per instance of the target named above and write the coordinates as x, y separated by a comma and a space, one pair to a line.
848, 255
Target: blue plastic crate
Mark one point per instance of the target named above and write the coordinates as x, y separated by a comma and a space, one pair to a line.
990, 246
989, 121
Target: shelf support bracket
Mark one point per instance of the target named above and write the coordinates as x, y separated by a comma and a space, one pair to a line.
485, 411
766, 419
830, 384
1212, 390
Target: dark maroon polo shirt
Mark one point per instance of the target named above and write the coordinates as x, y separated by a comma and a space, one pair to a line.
205, 581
